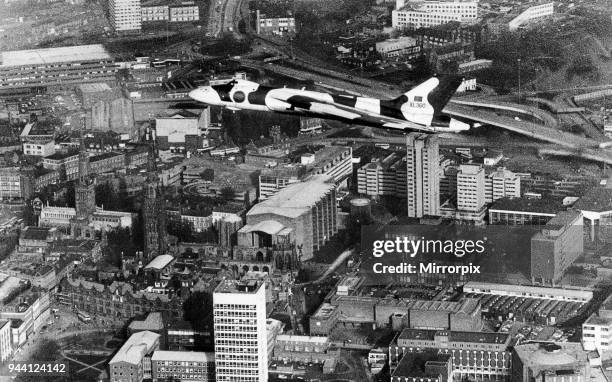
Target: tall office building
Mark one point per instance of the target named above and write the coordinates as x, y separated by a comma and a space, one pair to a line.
125, 15
423, 175
241, 343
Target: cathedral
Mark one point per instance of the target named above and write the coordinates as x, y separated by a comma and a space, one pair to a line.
154, 212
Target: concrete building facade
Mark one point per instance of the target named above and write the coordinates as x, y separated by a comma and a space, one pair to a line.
422, 14
6, 342
132, 362
474, 355
182, 366
307, 211
423, 175
125, 16
559, 244
597, 330
241, 346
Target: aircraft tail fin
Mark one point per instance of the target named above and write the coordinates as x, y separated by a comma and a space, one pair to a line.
436, 92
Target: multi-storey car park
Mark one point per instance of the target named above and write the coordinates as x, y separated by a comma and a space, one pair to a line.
38, 70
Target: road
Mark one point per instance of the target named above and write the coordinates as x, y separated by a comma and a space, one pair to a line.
332, 267
224, 17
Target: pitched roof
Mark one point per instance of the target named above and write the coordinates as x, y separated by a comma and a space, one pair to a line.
136, 347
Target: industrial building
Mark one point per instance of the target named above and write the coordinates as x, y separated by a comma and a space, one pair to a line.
354, 310
395, 47
428, 13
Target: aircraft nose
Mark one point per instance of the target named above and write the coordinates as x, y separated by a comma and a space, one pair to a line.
205, 95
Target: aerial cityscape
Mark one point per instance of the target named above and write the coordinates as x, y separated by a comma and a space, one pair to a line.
306, 190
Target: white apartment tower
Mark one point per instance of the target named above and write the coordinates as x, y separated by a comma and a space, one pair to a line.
241, 343
470, 188
423, 175
125, 15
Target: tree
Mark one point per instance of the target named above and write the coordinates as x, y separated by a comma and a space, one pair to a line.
208, 174
120, 240
48, 350
582, 66
182, 229
227, 193
106, 196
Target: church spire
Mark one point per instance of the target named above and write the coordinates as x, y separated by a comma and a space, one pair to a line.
83, 156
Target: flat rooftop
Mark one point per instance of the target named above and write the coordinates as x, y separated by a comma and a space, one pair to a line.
543, 355
544, 206
188, 356
233, 286
153, 321
596, 319
453, 336
66, 54
416, 364
325, 311
563, 218
136, 347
